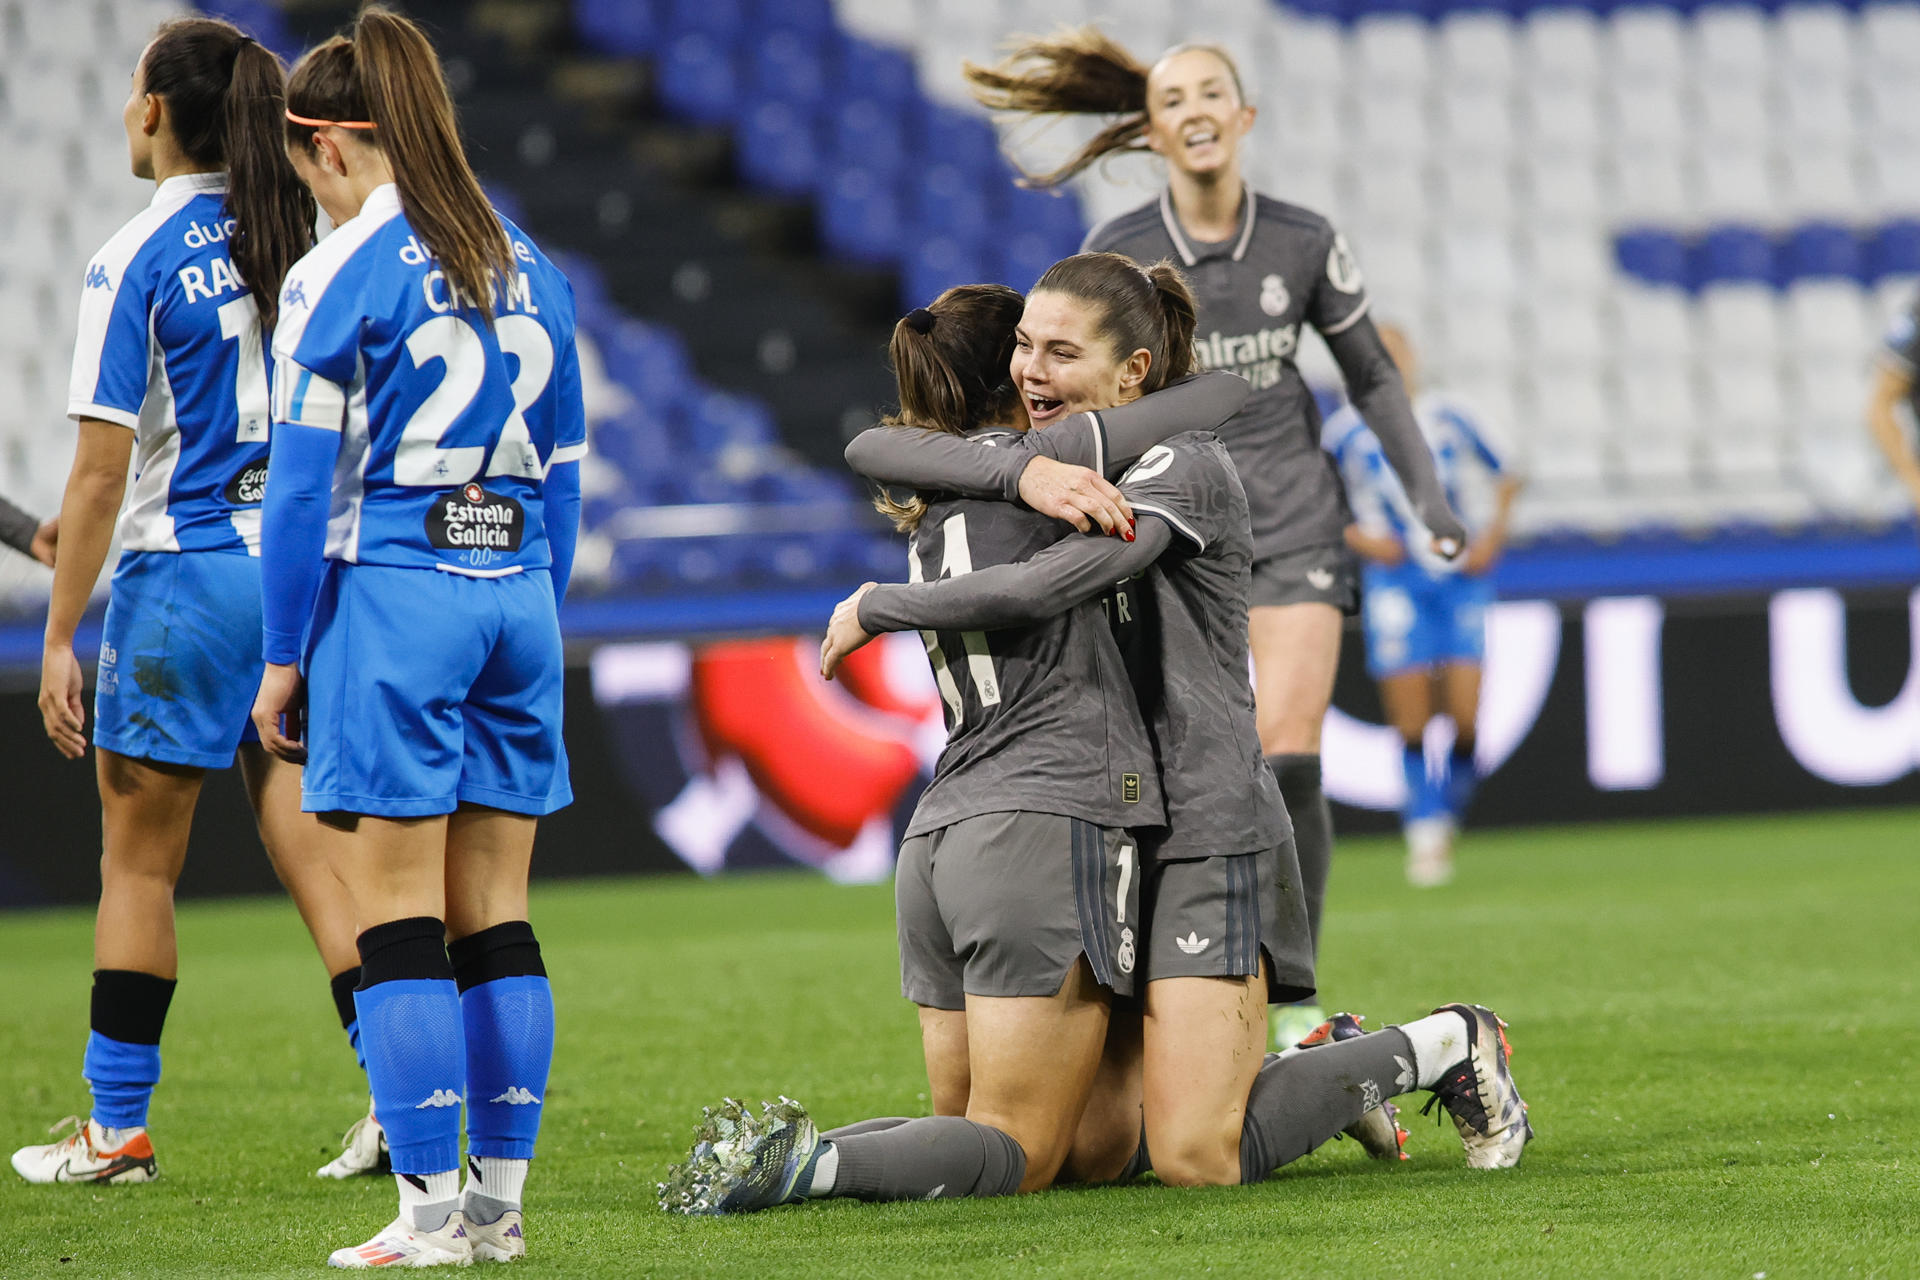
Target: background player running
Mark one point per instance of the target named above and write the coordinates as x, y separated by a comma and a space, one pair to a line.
169, 360
1260, 269
1425, 617
427, 394
1897, 385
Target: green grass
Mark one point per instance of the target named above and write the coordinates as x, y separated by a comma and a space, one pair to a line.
1714, 1023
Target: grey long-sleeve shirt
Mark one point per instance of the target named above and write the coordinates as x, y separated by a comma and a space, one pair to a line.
1182, 589
1286, 267
17, 528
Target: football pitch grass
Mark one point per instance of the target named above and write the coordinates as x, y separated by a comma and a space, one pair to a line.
1715, 1024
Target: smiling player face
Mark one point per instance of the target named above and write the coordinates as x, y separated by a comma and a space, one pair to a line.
1195, 117
1063, 365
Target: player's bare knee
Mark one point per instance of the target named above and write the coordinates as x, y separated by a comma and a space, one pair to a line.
1199, 1167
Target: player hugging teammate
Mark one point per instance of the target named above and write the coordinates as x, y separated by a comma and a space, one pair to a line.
1076, 1073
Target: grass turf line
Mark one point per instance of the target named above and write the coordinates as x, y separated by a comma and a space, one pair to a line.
1714, 1023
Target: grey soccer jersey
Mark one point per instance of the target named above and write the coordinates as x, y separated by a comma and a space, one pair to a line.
1285, 268
1039, 718
1183, 591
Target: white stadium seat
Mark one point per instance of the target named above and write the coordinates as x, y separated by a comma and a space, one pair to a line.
1561, 46
1739, 321
1477, 48
1828, 322
1475, 120
1647, 41
1650, 188
1574, 261
1890, 36
1563, 189
1734, 112
1815, 42
1566, 332
1476, 192
1391, 50
1393, 125
1655, 326
1736, 184
1478, 264
1562, 117
1732, 42
1389, 197
1657, 401
1312, 53
1648, 115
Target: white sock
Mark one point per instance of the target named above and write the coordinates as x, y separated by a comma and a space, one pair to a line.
497, 1178
114, 1139
825, 1172
1439, 1040
426, 1200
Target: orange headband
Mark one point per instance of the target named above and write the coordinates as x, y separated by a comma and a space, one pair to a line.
338, 124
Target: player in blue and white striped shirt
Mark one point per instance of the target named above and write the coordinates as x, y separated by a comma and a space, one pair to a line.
417, 540
1425, 617
169, 372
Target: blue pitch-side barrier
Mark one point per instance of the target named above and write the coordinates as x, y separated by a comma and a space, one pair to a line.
1729, 562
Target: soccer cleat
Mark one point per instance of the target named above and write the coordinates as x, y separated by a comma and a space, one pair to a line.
363, 1151
1479, 1094
401, 1244
742, 1162
501, 1240
83, 1156
1378, 1131
1291, 1023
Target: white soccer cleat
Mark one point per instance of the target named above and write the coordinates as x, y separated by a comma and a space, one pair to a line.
1479, 1094
85, 1156
501, 1240
363, 1151
1429, 852
401, 1244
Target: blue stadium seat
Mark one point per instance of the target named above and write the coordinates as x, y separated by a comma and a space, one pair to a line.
626, 28
1895, 250
1025, 256
1825, 250
814, 17
790, 66
727, 21
948, 201
723, 418
936, 264
1057, 217
860, 216
1734, 254
875, 71
1380, 8
869, 133
777, 147
963, 140
1340, 10
698, 78
1658, 257
651, 362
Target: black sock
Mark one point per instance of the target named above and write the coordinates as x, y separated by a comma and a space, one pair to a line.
1300, 1100
1299, 778
507, 950
398, 950
343, 984
936, 1157
130, 1006
1142, 1162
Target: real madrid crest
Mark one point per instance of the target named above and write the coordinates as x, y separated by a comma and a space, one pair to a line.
1274, 298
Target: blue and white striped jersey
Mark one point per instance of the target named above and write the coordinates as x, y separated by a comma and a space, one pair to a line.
449, 426
1466, 461
169, 345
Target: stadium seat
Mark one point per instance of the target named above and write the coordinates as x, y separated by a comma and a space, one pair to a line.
1566, 332
1563, 117
1477, 47
1819, 184
778, 149
1655, 257
1739, 319
1560, 45
790, 65
1828, 322
1824, 250
1476, 121
1393, 126
1313, 55
625, 28
1390, 49
1646, 116
860, 216
1569, 262
1741, 254
698, 78
1816, 42
1732, 42
1895, 250
1655, 325
726, 21
1646, 42
936, 264
1563, 190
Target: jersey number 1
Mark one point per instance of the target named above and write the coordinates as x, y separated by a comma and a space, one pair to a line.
240, 322
957, 558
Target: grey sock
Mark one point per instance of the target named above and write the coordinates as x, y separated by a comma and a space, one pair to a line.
880, 1125
1300, 1100
482, 1209
1299, 778
936, 1157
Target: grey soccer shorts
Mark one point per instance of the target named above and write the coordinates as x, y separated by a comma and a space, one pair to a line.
1003, 905
1323, 575
1216, 917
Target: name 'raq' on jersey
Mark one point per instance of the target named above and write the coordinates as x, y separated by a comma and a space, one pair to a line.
169, 345
448, 424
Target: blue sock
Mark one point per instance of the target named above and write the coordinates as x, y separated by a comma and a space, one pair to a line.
506, 1005
122, 1062
409, 1017
1421, 795
1461, 781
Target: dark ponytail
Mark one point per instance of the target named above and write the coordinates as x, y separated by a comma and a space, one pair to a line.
1135, 308
387, 73
225, 96
951, 365
1080, 71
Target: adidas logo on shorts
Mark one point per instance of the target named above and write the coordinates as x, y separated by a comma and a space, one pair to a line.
1193, 944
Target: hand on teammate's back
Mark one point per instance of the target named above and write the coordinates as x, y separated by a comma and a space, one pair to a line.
1481, 556
277, 711
62, 708
844, 632
1080, 496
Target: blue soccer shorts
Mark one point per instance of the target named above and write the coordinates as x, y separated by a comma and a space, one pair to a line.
426, 690
179, 657
1415, 620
